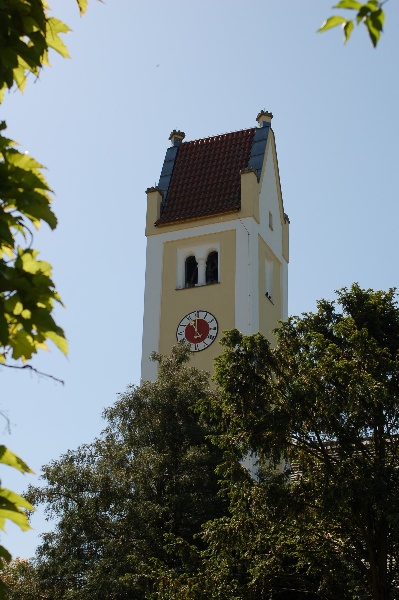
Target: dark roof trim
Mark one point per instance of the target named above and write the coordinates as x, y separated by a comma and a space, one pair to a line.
258, 148
167, 170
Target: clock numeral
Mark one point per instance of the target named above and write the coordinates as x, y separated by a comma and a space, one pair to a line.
212, 337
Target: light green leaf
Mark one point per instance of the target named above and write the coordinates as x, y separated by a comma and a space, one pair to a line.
349, 4
23, 161
58, 340
23, 345
58, 26
9, 497
11, 505
332, 22
348, 28
52, 38
373, 4
32, 265
82, 6
12, 460
20, 77
16, 516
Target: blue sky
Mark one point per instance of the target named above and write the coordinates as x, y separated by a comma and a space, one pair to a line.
100, 123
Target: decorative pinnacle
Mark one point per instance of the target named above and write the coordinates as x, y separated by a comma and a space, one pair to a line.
264, 117
176, 137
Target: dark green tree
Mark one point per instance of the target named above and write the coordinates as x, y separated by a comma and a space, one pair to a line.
129, 506
321, 412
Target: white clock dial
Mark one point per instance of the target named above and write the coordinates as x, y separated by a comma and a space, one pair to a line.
198, 329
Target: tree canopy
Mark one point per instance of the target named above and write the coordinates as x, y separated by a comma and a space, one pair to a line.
128, 506
139, 512
321, 412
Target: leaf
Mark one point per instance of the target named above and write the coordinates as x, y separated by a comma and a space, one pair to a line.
331, 22
58, 340
82, 5
12, 460
20, 77
378, 18
23, 161
8, 497
31, 265
373, 32
348, 4
58, 26
10, 508
348, 28
366, 10
23, 345
52, 38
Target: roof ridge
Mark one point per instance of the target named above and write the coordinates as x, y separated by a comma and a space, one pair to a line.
219, 135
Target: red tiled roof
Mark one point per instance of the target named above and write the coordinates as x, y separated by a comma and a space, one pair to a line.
206, 177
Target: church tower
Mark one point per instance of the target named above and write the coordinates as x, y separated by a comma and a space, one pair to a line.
217, 244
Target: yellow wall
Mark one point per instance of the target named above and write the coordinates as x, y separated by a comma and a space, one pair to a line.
218, 298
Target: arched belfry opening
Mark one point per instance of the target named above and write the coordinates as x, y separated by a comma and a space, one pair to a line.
191, 271
212, 267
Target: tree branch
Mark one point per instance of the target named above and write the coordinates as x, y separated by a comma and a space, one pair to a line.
34, 370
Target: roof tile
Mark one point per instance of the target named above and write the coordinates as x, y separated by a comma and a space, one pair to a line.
206, 177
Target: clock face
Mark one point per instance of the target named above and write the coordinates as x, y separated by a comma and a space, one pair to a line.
199, 329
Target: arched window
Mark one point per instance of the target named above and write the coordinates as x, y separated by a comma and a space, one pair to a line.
212, 268
191, 271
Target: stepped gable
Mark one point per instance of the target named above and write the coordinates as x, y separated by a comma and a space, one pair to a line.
206, 177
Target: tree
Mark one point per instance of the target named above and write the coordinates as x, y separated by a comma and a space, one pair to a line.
21, 580
369, 14
27, 292
324, 522
130, 504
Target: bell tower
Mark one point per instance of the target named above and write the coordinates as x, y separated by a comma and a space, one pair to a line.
217, 244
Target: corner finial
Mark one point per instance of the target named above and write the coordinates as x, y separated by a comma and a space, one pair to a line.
264, 118
176, 137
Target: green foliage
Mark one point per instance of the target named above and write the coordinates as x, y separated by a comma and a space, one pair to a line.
27, 32
12, 506
21, 581
369, 13
27, 292
324, 522
128, 507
